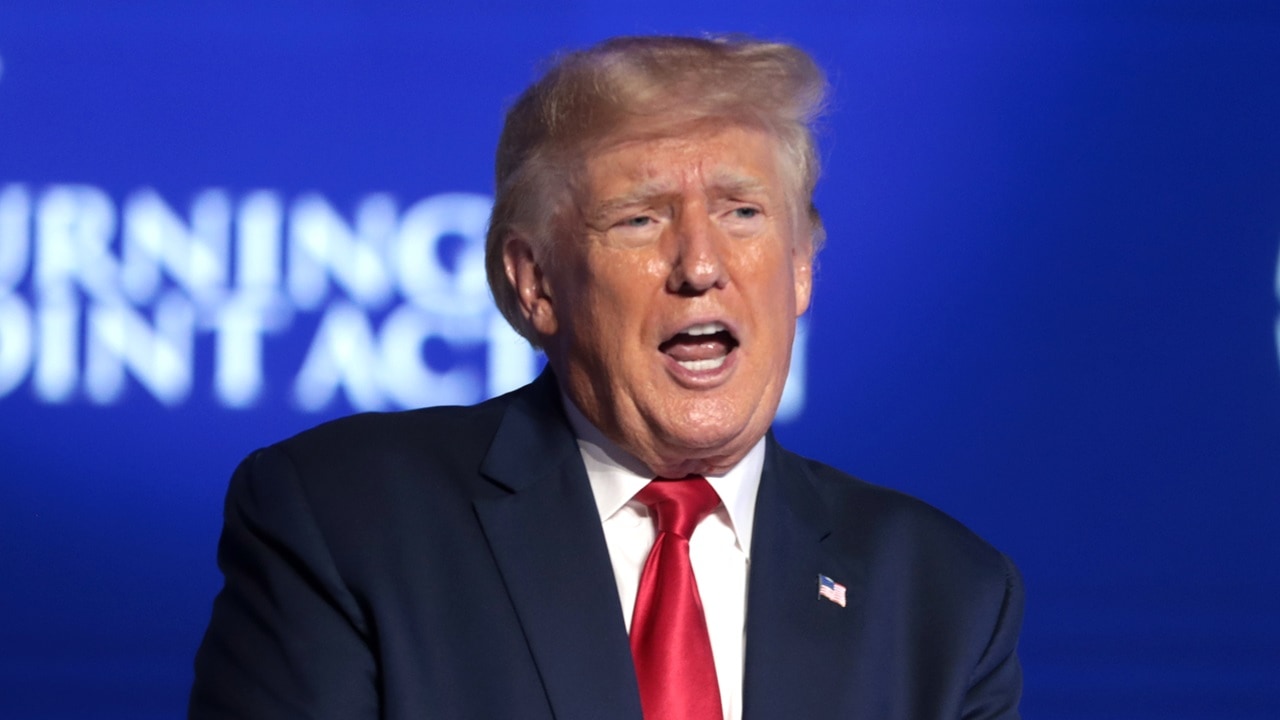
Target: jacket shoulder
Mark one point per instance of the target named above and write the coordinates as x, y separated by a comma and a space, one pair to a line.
396, 440
913, 534
362, 470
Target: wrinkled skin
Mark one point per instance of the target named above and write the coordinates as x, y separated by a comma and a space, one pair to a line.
698, 232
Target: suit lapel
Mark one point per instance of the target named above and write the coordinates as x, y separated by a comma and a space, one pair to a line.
797, 641
547, 540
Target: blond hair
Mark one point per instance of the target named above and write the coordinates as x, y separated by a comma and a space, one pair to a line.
643, 85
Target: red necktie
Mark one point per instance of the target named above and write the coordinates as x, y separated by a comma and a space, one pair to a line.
669, 640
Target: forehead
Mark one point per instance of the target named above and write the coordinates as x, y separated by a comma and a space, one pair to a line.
728, 158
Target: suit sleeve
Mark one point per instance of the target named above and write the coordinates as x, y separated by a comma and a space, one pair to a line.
996, 684
287, 638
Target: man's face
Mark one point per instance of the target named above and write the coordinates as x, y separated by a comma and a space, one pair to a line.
668, 315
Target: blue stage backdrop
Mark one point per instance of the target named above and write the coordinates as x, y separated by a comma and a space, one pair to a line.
1050, 302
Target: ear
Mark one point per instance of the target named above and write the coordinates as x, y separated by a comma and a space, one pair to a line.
802, 271
527, 278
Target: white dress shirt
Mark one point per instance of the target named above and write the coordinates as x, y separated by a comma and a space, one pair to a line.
719, 549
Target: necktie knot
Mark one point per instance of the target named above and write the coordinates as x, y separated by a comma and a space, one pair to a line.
680, 504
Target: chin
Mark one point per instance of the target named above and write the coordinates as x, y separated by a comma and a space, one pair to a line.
707, 450
708, 423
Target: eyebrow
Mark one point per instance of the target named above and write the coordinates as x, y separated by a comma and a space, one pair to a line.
727, 183
642, 194
719, 184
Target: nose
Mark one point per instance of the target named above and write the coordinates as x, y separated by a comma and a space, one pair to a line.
698, 262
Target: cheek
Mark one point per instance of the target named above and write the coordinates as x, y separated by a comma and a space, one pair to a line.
604, 308
624, 283
776, 271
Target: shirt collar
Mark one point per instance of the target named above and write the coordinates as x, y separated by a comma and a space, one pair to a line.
616, 476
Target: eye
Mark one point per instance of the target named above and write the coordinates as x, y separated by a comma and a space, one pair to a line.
746, 213
637, 221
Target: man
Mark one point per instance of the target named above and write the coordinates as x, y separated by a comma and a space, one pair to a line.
535, 556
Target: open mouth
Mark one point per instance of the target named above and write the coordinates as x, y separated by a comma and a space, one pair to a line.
700, 348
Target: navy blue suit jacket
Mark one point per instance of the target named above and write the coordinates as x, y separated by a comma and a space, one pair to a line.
450, 563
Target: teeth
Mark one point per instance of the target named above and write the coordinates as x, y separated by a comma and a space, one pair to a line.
700, 365
704, 329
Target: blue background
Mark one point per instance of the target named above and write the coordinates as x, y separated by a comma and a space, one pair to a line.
1048, 303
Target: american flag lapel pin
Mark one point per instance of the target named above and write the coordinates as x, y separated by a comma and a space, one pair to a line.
831, 590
